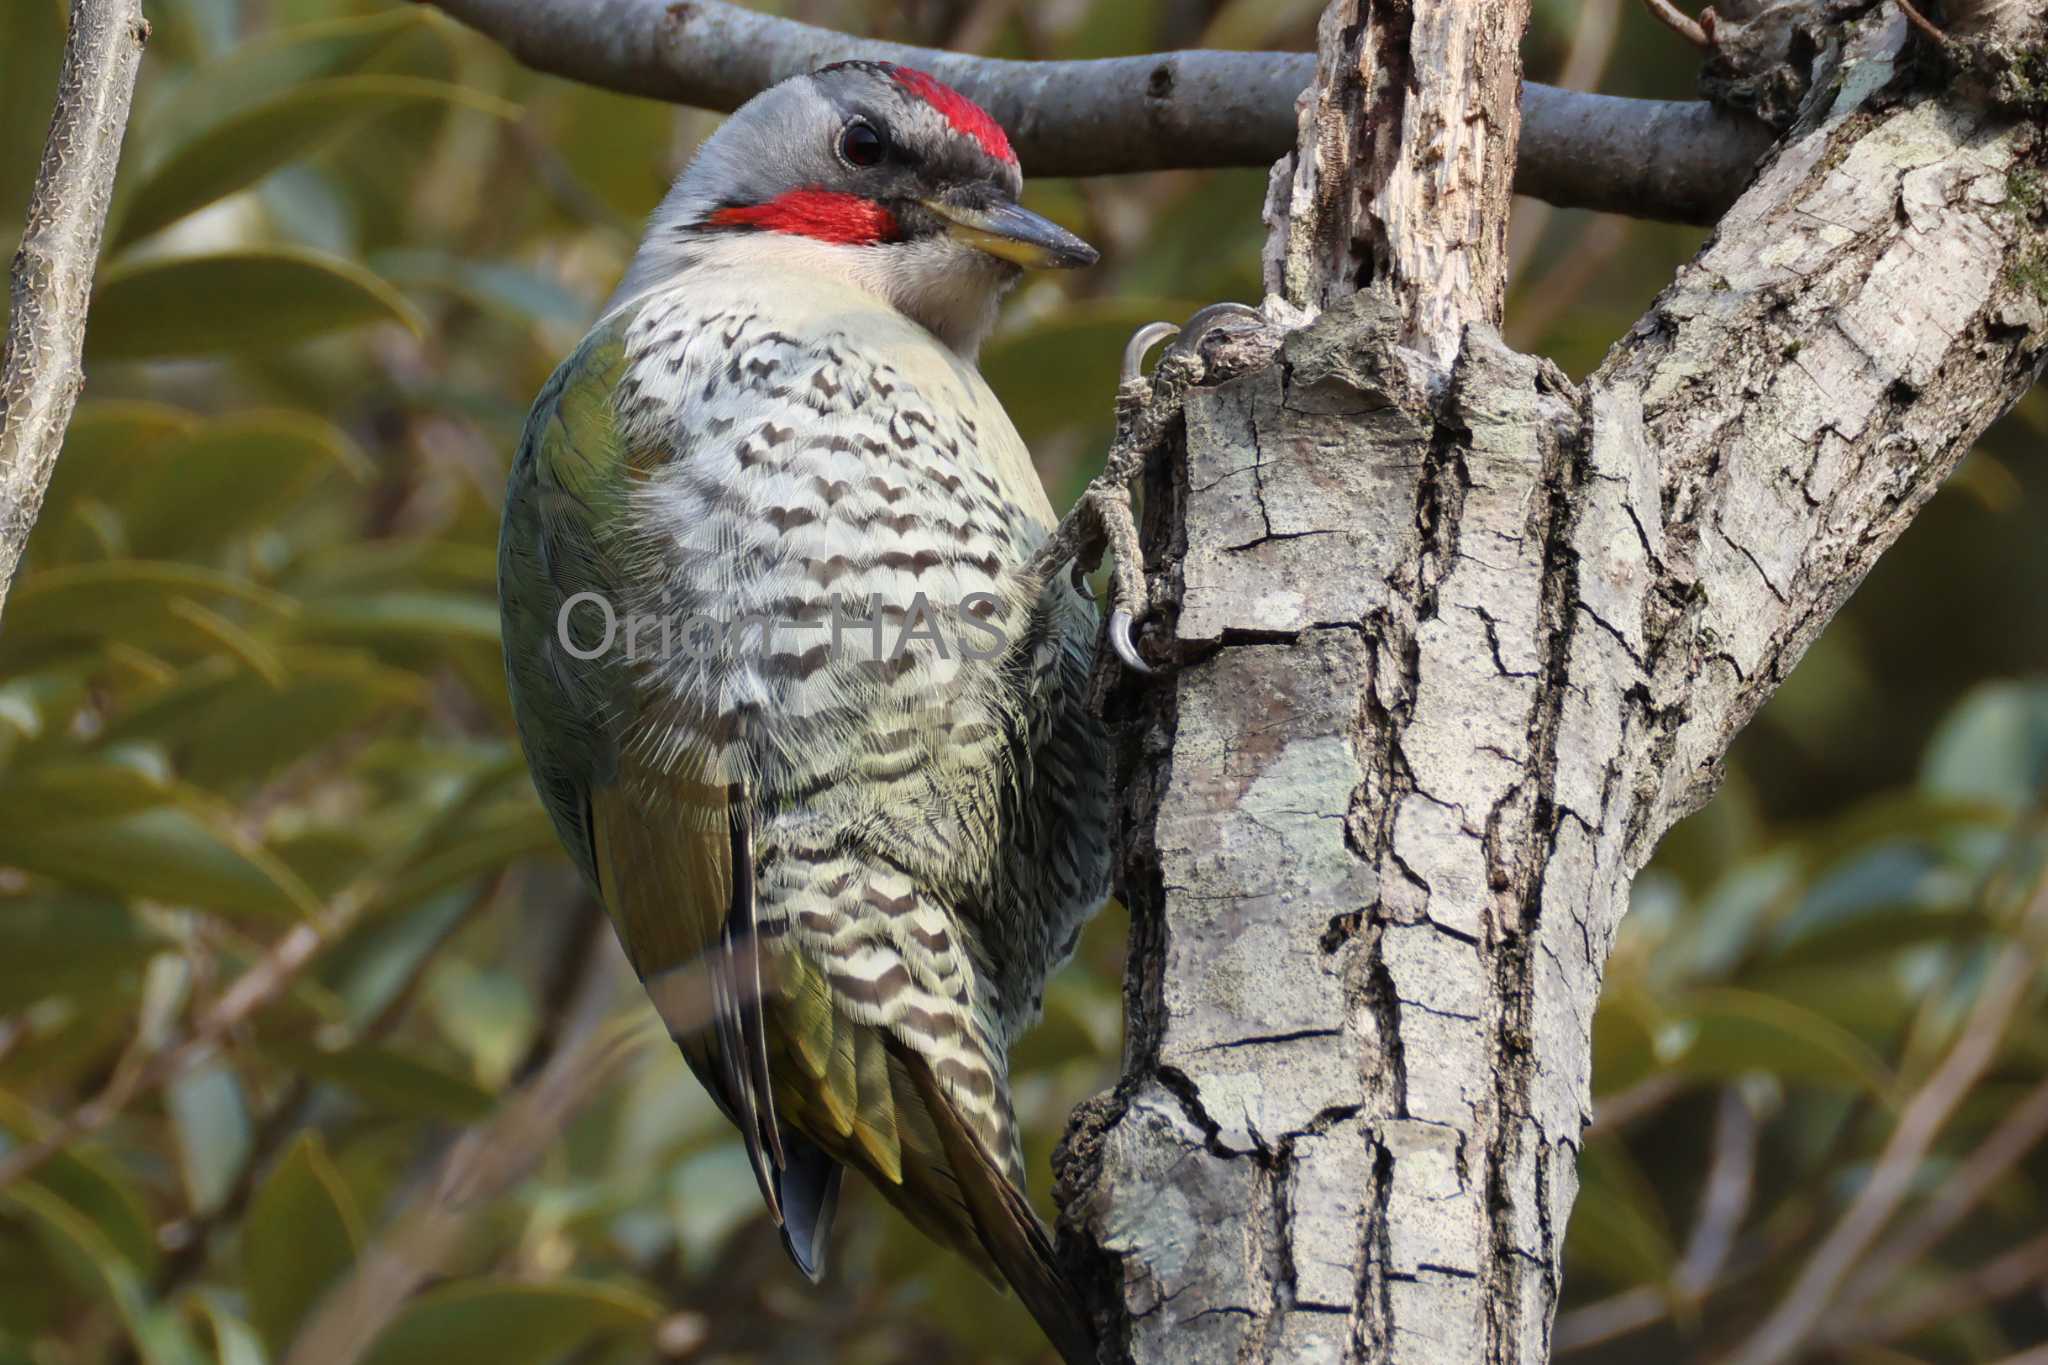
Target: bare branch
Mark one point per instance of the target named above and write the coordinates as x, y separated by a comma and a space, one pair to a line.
1679, 160
41, 369
1682, 161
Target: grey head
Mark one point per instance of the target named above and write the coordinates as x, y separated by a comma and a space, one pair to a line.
875, 173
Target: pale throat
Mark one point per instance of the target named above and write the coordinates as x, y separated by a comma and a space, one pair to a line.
947, 287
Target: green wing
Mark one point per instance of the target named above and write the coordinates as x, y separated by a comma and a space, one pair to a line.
668, 853
563, 504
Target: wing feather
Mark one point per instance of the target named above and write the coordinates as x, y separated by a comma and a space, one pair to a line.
739, 960
672, 859
875, 1123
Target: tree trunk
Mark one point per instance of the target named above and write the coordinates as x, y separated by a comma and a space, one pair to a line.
1459, 640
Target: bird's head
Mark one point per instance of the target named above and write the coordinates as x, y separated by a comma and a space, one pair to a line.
874, 172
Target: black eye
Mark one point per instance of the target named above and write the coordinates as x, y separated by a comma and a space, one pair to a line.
861, 145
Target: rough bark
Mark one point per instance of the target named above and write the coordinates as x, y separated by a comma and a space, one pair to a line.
1459, 641
1680, 160
1405, 160
41, 369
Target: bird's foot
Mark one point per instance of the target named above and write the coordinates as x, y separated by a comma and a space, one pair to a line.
1101, 520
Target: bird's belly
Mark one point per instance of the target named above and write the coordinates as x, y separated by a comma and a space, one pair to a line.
828, 614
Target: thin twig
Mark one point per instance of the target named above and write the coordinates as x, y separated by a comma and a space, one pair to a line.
1614, 1316
42, 365
1680, 160
1724, 1203
2018, 1133
1920, 21
1812, 1296
482, 1164
2005, 1275
1681, 23
1631, 1310
263, 982
1612, 1113
281, 1119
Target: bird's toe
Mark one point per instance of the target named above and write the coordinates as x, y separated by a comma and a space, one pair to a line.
1121, 627
1140, 345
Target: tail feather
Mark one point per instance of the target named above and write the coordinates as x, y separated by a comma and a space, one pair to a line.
1008, 1228
807, 1189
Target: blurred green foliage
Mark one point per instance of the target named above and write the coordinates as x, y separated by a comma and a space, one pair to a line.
250, 705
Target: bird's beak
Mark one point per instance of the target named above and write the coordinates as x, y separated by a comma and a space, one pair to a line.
1014, 233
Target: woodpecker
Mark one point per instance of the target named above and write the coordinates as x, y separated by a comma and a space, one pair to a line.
803, 711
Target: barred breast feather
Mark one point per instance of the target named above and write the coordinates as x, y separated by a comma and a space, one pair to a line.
879, 847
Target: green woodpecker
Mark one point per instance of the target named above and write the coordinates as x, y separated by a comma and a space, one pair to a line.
802, 715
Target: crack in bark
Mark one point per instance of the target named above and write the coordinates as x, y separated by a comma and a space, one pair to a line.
1266, 1039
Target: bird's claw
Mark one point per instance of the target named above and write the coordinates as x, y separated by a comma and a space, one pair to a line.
1105, 509
1140, 345
1121, 626
1195, 328
1190, 334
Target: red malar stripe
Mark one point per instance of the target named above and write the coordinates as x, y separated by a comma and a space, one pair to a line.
963, 113
824, 215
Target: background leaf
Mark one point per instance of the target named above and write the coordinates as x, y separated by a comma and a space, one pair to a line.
516, 1324
256, 139
166, 854
301, 1236
1730, 1033
212, 1119
244, 300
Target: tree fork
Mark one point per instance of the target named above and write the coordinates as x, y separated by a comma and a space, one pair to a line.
1460, 640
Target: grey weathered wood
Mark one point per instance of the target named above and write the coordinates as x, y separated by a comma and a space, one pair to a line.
1404, 165
1461, 641
41, 368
